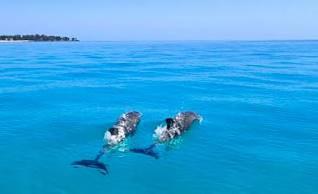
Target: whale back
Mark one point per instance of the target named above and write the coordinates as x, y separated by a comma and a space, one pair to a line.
177, 126
129, 121
184, 120
126, 125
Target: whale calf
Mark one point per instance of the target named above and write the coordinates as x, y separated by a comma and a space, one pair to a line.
125, 126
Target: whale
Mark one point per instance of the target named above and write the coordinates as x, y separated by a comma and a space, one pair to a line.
125, 126
176, 126
173, 128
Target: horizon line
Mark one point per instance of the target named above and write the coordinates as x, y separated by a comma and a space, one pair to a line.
198, 40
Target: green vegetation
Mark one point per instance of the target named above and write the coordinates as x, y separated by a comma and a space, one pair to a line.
36, 37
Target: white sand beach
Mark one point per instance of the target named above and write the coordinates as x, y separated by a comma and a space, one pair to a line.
5, 41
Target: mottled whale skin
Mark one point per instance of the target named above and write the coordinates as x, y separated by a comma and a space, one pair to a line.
184, 120
176, 126
125, 126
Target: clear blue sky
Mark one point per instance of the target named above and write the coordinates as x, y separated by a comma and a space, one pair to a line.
163, 19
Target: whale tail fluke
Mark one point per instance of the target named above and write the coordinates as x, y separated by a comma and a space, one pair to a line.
149, 151
92, 164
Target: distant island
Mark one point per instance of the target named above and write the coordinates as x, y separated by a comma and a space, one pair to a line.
36, 38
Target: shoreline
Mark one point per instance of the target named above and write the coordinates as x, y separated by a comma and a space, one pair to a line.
29, 41
4, 41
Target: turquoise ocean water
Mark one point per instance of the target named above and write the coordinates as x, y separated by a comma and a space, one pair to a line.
259, 101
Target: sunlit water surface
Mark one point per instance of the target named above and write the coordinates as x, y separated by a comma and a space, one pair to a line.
259, 101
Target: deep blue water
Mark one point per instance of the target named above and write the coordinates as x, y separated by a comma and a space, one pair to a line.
259, 101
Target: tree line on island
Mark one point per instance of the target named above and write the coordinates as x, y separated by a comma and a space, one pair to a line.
35, 37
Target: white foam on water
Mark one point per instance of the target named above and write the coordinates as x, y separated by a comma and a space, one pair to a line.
200, 119
160, 133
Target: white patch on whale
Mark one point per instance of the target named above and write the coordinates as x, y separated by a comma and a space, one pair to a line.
160, 132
